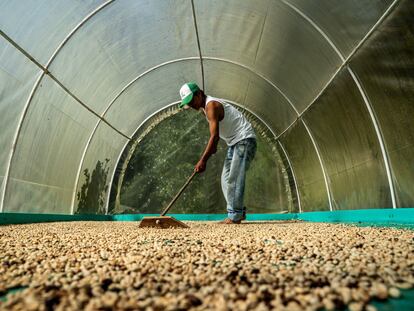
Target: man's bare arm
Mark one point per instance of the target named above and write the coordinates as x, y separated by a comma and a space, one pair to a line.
212, 112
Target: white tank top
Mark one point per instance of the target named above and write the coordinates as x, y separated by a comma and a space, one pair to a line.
234, 127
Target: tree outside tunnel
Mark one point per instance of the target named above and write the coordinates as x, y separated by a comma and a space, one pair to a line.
91, 196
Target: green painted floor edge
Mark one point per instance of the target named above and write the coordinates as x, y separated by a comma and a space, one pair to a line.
27, 218
3, 297
405, 302
400, 218
206, 217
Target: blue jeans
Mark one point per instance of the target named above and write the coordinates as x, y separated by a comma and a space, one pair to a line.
233, 177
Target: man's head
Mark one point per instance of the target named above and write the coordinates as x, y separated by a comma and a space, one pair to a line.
191, 96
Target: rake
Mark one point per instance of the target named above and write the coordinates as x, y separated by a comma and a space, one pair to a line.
163, 221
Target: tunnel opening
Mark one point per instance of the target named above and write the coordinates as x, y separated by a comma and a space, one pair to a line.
163, 153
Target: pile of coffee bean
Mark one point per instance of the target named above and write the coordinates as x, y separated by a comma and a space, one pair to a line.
281, 265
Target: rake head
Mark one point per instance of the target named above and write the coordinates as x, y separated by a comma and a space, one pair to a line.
161, 222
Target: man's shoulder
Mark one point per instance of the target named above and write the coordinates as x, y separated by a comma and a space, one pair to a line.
213, 103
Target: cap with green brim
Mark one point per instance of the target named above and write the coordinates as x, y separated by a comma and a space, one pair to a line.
187, 92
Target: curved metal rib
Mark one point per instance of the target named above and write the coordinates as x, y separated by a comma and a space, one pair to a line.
293, 175
123, 149
325, 176
257, 74
280, 143
198, 42
380, 136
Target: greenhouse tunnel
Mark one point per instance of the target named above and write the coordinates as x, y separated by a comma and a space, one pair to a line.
89, 92
332, 81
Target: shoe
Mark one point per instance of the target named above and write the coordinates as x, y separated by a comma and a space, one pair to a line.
228, 221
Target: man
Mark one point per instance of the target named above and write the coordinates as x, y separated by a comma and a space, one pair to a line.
229, 124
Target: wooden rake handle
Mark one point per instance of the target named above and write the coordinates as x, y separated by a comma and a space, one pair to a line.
178, 194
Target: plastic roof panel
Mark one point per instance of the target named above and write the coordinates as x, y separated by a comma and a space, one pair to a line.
242, 86
17, 76
344, 22
309, 177
231, 29
272, 39
150, 93
349, 146
53, 135
294, 55
121, 42
39, 26
97, 170
36, 198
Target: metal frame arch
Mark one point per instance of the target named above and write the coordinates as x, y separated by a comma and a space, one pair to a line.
380, 136
175, 103
35, 88
135, 80
184, 59
359, 85
293, 175
44, 72
198, 42
195, 58
325, 176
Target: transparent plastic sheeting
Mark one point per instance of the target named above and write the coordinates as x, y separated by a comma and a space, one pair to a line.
124, 40
151, 93
309, 178
347, 127
93, 185
249, 90
337, 18
48, 153
39, 26
283, 60
272, 39
17, 76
